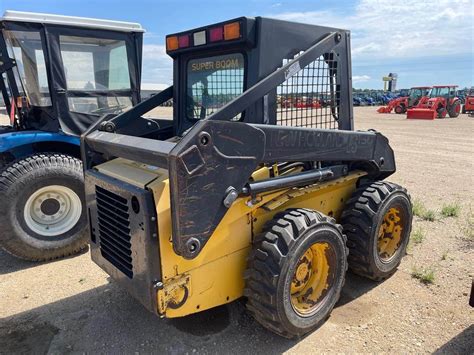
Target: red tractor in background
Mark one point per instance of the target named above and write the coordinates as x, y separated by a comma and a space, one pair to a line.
416, 96
300, 102
442, 101
307, 102
469, 103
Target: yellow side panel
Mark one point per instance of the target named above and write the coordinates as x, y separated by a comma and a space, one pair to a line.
328, 198
216, 274
214, 284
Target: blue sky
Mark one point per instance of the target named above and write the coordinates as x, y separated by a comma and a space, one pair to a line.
425, 42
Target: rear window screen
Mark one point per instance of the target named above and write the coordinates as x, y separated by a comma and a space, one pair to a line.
212, 82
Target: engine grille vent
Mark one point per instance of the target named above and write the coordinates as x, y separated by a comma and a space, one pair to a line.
114, 230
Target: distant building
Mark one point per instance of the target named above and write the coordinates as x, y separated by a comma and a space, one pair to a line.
149, 89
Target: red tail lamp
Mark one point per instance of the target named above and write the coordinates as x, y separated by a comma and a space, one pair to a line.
216, 34
183, 41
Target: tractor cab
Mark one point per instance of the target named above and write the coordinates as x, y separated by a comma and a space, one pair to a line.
446, 92
416, 94
62, 73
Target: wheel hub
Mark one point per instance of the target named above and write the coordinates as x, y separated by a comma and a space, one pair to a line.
52, 210
50, 206
302, 272
390, 234
310, 279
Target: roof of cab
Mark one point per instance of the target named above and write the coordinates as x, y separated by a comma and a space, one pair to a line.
19, 16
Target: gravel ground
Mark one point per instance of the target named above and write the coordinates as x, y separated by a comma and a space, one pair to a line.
70, 306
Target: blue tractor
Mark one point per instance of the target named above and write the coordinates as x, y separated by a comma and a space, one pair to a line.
59, 75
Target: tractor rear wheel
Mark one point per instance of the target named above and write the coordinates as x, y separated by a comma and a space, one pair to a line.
377, 221
455, 109
296, 271
43, 210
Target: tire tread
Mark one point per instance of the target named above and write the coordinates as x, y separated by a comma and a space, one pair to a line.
10, 176
270, 250
358, 219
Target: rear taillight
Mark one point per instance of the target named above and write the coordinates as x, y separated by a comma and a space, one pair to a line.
232, 31
172, 43
199, 38
225, 32
216, 34
183, 41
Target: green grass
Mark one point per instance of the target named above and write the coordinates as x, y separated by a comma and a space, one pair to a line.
429, 215
451, 210
424, 275
418, 208
417, 236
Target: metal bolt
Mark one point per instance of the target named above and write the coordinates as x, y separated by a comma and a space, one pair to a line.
231, 196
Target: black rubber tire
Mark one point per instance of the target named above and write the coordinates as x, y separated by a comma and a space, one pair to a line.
400, 109
441, 112
464, 108
271, 265
362, 218
17, 182
453, 112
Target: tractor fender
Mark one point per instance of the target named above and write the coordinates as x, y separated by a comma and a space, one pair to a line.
17, 144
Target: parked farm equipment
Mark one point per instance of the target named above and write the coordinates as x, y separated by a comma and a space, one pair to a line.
253, 198
442, 102
59, 75
468, 106
416, 96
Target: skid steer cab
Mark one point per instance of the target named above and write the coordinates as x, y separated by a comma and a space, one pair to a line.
239, 193
59, 74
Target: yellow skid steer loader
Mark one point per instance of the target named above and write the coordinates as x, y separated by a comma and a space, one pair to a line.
240, 195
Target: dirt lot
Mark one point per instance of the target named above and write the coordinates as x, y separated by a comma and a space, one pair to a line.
70, 305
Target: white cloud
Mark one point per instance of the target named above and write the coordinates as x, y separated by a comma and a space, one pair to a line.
360, 78
404, 28
381, 29
157, 65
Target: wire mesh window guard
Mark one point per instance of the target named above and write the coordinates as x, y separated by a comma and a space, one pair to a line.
310, 98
